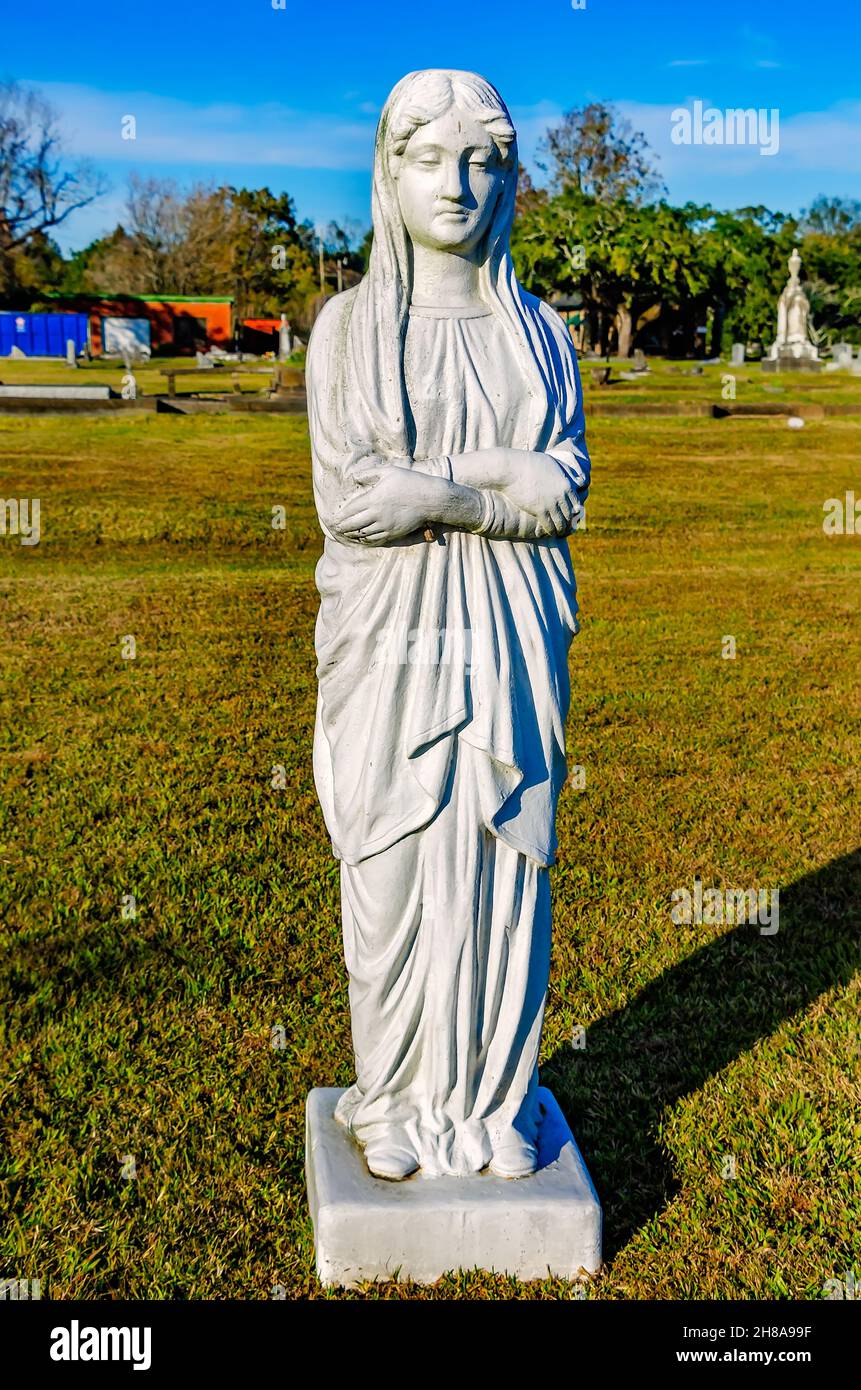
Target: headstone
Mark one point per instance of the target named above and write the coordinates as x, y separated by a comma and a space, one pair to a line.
841, 353
203, 359
47, 392
445, 908
284, 343
737, 357
71, 358
16, 352
639, 360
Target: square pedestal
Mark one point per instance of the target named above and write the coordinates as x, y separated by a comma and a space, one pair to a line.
367, 1228
791, 364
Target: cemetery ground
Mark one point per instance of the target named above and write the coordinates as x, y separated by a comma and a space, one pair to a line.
157, 1053
666, 381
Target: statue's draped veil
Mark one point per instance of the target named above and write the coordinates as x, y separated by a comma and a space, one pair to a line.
372, 351
441, 806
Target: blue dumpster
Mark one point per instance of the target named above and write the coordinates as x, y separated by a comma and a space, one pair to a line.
41, 335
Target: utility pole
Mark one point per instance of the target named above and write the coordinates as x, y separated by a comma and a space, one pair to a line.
322, 268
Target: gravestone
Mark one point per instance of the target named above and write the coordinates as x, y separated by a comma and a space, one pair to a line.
71, 359
46, 392
640, 361
737, 357
284, 344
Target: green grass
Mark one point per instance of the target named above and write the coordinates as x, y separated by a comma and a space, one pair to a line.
152, 1037
47, 371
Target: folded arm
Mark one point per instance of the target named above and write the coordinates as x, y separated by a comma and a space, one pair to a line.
506, 493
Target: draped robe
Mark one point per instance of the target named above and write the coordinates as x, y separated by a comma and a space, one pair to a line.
439, 742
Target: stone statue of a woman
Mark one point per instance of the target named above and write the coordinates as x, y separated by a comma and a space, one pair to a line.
449, 468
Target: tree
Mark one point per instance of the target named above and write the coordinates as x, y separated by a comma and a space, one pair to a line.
743, 255
272, 268
527, 194
628, 261
39, 187
832, 216
598, 153
241, 242
831, 256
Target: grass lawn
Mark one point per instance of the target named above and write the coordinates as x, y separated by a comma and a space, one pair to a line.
149, 378
152, 1141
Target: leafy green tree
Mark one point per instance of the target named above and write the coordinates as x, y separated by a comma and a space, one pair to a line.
271, 268
831, 255
743, 255
627, 260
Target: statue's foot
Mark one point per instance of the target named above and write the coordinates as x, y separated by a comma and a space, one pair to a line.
515, 1157
391, 1157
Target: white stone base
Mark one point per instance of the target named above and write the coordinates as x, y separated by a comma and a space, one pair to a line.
367, 1228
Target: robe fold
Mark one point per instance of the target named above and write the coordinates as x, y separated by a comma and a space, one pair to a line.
439, 742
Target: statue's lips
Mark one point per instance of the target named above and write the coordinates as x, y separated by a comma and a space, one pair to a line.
459, 213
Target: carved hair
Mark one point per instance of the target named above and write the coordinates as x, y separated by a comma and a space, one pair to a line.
371, 345
430, 95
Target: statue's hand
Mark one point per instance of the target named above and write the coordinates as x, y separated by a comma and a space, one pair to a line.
389, 503
538, 484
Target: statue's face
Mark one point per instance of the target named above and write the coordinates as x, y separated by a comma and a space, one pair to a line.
449, 178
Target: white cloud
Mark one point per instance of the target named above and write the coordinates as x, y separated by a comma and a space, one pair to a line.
169, 131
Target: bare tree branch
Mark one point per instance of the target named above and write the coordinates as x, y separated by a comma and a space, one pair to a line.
39, 189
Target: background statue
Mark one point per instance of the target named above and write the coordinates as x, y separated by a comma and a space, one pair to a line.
449, 467
795, 336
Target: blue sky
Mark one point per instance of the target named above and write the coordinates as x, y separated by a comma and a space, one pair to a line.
244, 93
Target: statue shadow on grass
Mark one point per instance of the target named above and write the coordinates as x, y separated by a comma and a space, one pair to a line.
687, 1025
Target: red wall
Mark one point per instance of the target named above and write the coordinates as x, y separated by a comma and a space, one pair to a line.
164, 316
